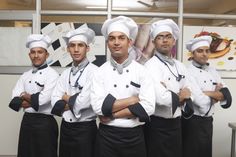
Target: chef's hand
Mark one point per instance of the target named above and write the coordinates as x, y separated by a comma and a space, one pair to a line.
25, 104
104, 119
66, 97
184, 93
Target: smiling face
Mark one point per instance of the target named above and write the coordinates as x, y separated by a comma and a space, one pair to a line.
164, 42
78, 51
201, 55
118, 44
38, 56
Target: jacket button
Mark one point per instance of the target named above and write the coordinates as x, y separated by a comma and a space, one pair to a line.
127, 70
70, 120
127, 86
115, 85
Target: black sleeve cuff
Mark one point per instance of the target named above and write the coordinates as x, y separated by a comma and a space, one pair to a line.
35, 101
175, 102
227, 96
138, 111
58, 108
15, 103
71, 101
188, 110
107, 105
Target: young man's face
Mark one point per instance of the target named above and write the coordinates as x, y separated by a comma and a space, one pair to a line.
77, 50
201, 55
118, 44
164, 43
38, 56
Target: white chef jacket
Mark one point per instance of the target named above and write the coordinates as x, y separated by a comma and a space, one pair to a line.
160, 73
204, 80
42, 82
82, 110
134, 81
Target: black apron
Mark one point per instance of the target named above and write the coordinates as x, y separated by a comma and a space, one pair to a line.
163, 137
77, 139
197, 136
120, 142
38, 136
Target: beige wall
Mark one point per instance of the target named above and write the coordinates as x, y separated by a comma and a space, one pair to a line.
221, 132
10, 121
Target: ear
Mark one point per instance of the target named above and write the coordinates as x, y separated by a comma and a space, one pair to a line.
88, 48
153, 41
47, 54
131, 42
174, 42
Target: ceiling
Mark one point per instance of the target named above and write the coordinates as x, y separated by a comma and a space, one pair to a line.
166, 6
190, 6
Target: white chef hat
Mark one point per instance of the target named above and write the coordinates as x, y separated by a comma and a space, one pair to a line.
122, 24
198, 42
167, 25
83, 33
38, 40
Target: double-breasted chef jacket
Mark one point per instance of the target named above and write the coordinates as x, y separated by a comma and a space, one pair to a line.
174, 77
108, 85
39, 85
206, 79
78, 87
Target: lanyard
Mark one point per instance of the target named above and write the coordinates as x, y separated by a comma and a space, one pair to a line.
77, 80
178, 76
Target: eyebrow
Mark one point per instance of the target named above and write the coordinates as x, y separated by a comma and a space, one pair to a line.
122, 35
203, 49
164, 34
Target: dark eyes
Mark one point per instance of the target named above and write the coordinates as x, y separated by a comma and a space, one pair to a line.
162, 37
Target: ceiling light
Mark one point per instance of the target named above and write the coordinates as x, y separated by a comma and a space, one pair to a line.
101, 7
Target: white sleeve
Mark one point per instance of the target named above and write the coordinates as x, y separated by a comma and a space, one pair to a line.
59, 89
98, 93
199, 99
147, 93
19, 87
162, 94
219, 80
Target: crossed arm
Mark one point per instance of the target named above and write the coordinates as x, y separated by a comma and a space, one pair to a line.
120, 109
26, 100
216, 95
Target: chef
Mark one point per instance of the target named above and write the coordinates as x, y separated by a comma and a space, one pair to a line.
122, 94
71, 97
209, 89
32, 92
163, 133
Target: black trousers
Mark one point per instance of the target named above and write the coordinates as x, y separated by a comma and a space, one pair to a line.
120, 142
38, 136
163, 137
77, 139
197, 136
